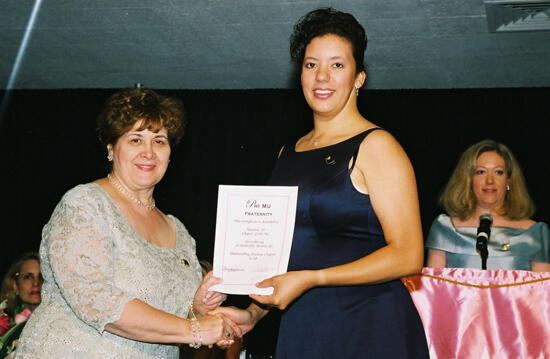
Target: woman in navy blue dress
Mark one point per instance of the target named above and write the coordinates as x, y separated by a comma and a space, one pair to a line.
358, 228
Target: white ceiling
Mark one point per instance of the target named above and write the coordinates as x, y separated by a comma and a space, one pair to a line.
243, 44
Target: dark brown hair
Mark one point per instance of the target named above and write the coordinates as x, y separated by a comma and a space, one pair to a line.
123, 109
325, 21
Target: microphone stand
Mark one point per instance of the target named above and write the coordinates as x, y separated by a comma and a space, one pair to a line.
484, 253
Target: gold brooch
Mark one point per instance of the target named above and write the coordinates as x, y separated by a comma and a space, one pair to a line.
505, 246
184, 262
329, 160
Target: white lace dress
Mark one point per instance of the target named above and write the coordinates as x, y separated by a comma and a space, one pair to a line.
93, 263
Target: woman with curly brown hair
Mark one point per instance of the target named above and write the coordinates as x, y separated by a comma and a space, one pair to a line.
122, 279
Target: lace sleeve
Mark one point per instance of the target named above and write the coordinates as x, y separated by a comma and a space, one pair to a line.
80, 253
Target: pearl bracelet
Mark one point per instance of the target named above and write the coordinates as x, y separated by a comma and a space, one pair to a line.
195, 329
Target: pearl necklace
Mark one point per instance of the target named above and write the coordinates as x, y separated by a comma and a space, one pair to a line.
122, 190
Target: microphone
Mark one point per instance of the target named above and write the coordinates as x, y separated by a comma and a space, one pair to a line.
483, 233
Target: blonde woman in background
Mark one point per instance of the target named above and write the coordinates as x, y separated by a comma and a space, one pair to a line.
488, 180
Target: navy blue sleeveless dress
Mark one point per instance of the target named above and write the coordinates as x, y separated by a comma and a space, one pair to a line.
336, 224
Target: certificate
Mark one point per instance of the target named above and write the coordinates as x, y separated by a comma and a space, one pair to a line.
254, 229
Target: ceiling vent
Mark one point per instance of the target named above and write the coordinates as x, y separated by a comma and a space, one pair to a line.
518, 15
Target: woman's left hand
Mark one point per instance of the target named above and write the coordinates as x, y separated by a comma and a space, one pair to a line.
286, 287
205, 300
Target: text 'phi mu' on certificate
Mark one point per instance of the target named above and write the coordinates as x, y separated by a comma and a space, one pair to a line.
254, 229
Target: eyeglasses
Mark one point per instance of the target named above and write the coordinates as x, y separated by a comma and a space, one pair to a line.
30, 277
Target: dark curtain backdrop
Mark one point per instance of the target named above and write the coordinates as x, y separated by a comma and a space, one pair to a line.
49, 144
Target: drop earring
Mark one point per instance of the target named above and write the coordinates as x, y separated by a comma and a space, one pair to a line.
357, 91
507, 187
110, 157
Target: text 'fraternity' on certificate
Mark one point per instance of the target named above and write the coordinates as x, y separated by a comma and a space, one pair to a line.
254, 229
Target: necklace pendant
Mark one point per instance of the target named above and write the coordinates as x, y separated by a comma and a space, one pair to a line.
505, 246
184, 262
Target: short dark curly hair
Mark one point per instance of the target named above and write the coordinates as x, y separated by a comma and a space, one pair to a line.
124, 108
325, 21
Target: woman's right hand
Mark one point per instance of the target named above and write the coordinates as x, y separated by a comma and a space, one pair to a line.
243, 318
218, 329
286, 287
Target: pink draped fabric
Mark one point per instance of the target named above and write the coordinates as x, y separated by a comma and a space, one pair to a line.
474, 313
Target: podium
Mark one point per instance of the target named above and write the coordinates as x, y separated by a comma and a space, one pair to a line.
473, 313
